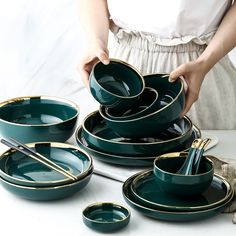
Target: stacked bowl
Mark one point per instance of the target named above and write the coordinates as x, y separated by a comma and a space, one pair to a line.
138, 119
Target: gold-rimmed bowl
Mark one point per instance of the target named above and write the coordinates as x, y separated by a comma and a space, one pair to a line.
38, 118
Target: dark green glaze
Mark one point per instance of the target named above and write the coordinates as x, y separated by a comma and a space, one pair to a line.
100, 137
125, 160
149, 193
17, 168
35, 119
154, 123
170, 215
116, 85
106, 217
166, 166
47, 193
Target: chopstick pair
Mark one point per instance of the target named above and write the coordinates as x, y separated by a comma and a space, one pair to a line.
16, 145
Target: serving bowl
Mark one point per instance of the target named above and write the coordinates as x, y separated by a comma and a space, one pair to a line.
38, 118
166, 166
20, 169
157, 121
117, 84
106, 216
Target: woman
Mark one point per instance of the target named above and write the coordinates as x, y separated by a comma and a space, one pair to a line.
189, 39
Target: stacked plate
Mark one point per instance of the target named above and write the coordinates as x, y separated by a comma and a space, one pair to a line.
32, 180
143, 193
101, 142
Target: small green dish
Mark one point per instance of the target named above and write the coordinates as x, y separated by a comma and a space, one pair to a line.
116, 85
38, 119
19, 169
166, 166
106, 216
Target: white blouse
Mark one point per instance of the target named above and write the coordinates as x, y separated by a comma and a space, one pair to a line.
168, 22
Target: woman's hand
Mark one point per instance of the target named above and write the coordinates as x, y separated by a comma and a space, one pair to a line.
193, 73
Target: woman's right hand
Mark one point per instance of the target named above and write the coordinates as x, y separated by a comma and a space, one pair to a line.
93, 55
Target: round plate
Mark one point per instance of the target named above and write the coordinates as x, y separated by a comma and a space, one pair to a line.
170, 215
126, 160
146, 190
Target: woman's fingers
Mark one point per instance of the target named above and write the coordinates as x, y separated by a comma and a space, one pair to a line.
179, 71
191, 97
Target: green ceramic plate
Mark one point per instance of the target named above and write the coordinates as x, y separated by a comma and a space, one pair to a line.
106, 216
17, 168
100, 137
47, 193
170, 215
125, 160
146, 190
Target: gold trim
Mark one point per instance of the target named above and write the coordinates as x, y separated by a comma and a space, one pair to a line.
66, 101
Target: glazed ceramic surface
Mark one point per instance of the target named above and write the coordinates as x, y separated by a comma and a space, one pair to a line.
148, 192
100, 137
106, 217
169, 215
155, 122
17, 168
125, 160
165, 170
116, 85
34, 119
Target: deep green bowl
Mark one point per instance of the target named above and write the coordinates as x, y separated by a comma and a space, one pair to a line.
102, 138
166, 166
116, 85
36, 119
157, 121
47, 193
106, 217
19, 169
148, 102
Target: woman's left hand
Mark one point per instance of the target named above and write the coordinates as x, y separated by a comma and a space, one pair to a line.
193, 73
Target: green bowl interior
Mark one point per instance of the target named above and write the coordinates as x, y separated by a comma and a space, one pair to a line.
37, 111
118, 78
18, 166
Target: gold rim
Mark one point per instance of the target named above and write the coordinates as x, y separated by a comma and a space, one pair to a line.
67, 102
127, 65
56, 145
99, 204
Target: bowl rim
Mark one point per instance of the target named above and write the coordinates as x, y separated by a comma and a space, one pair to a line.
114, 205
62, 181
52, 98
127, 143
142, 82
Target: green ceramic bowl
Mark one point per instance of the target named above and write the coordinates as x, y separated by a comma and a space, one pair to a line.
100, 137
166, 166
47, 193
147, 103
117, 84
19, 169
106, 217
36, 119
157, 121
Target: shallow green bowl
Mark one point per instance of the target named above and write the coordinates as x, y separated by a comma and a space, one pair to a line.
166, 166
19, 169
157, 121
102, 138
106, 216
36, 119
116, 85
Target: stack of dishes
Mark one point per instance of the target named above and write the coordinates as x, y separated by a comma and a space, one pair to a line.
28, 178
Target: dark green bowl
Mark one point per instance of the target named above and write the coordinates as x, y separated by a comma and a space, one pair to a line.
47, 193
157, 121
102, 138
106, 217
117, 84
36, 119
19, 169
166, 166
